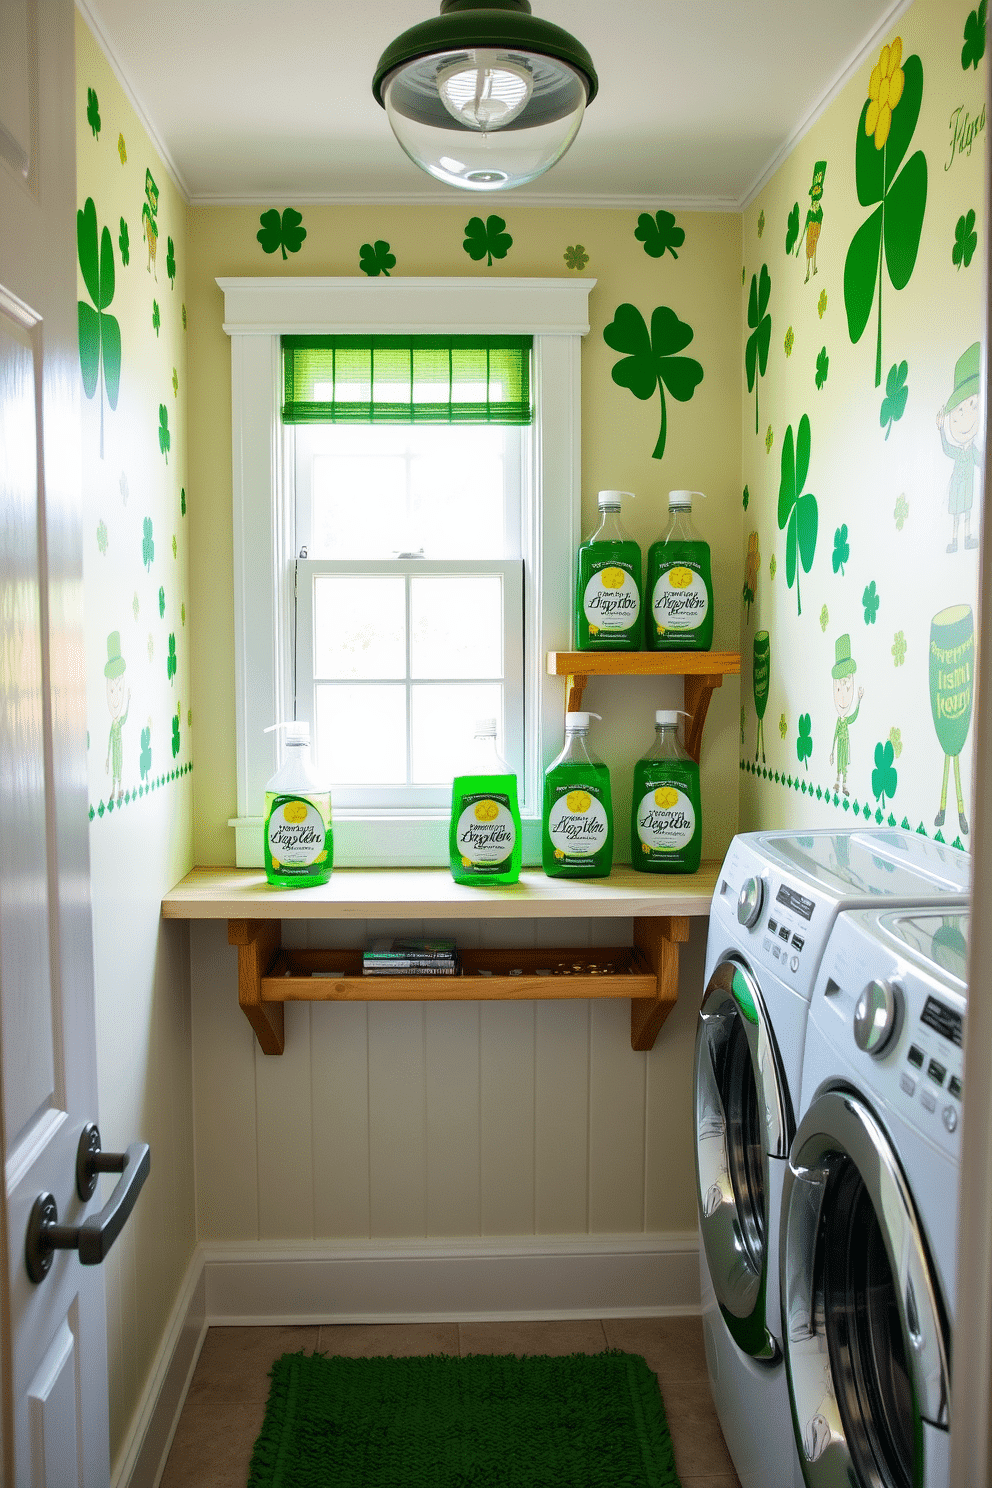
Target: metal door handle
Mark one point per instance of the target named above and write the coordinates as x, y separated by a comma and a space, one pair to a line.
94, 1237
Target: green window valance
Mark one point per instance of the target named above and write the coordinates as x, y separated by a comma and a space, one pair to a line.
407, 379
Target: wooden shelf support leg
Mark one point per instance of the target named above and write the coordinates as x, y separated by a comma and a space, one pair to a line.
698, 692
658, 939
575, 686
258, 945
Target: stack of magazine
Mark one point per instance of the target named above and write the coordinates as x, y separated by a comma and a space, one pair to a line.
406, 955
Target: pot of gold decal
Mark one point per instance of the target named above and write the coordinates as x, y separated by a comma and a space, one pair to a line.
760, 679
952, 686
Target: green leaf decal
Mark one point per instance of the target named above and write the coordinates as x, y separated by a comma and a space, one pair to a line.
375, 258
890, 236
884, 777
164, 437
871, 601
99, 332
792, 233
161, 602
822, 367
575, 257
486, 240
974, 37
285, 232
170, 262
760, 322
124, 244
93, 112
171, 663
651, 362
965, 241
145, 760
156, 316
147, 544
842, 550
175, 735
896, 394
798, 513
659, 234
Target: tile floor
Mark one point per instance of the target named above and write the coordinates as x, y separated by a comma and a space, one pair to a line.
226, 1401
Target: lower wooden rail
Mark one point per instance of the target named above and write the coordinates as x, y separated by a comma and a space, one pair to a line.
269, 976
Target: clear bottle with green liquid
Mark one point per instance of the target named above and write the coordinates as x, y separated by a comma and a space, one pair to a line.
666, 819
298, 836
679, 583
577, 819
608, 595
484, 838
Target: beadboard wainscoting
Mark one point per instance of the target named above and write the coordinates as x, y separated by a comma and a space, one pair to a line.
397, 1122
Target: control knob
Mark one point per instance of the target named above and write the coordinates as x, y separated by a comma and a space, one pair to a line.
876, 1017
749, 902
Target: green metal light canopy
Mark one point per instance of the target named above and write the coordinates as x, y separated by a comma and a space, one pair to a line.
486, 96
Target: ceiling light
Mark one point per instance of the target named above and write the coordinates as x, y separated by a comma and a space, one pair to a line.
486, 96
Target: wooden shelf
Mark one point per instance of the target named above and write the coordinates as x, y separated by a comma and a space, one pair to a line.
269, 976
703, 671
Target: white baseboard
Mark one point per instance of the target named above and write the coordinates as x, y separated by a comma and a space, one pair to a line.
549, 1277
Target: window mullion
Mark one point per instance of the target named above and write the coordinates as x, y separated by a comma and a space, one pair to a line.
409, 679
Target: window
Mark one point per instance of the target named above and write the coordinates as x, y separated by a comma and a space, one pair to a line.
510, 558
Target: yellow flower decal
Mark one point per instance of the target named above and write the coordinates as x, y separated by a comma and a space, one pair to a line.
884, 91
122, 149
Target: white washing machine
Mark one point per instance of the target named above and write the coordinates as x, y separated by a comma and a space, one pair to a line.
775, 903
870, 1202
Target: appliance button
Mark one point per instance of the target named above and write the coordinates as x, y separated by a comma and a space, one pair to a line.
773, 925
776, 951
928, 1101
954, 1087
794, 963
783, 932
937, 1072
907, 1083
950, 1118
915, 1056
876, 1016
798, 942
767, 943
749, 903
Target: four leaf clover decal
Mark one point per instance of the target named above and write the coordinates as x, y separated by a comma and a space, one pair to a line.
896, 393
884, 777
99, 333
659, 234
486, 240
974, 37
651, 361
804, 739
798, 512
282, 232
756, 350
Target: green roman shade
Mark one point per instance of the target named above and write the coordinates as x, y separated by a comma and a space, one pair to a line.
407, 379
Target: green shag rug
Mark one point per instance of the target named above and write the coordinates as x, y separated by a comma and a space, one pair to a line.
485, 1421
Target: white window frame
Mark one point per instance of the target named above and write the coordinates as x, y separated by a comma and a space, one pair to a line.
257, 312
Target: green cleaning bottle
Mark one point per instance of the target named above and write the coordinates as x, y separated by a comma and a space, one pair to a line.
298, 838
484, 840
679, 583
608, 600
666, 820
577, 822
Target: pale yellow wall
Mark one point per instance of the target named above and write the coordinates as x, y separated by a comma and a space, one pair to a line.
135, 578
888, 489
619, 433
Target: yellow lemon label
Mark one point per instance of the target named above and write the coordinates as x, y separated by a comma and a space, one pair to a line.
666, 821
679, 600
485, 832
666, 797
486, 811
295, 811
578, 825
578, 800
610, 601
612, 578
298, 833
680, 578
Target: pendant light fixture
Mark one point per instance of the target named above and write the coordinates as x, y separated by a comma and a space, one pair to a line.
486, 96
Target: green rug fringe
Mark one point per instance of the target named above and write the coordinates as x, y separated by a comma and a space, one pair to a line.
485, 1421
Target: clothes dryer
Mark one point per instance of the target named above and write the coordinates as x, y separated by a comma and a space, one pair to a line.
775, 903
870, 1202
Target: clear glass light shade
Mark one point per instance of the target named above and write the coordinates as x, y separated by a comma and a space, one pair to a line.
485, 119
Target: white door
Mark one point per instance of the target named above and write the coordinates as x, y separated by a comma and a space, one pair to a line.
52, 1332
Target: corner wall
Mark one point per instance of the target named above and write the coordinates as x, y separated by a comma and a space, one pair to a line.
863, 447
136, 523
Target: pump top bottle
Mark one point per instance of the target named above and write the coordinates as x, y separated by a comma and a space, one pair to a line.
666, 822
577, 819
298, 836
679, 583
608, 595
484, 836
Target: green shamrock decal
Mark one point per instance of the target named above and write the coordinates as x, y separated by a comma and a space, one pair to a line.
804, 739
164, 437
651, 361
375, 259
124, 243
745, 499
772, 567
974, 37
760, 322
790, 341
798, 512
101, 537
965, 240
175, 383
147, 544
769, 440
822, 367
783, 726
175, 734
170, 662
122, 149
145, 759
890, 237
896, 393
884, 777
99, 333
842, 549
174, 545
170, 262
821, 304
792, 234
824, 619
285, 232
182, 501
901, 512
156, 316
898, 648
161, 602
93, 112
659, 234
871, 601
486, 240
761, 222
184, 317
576, 257
182, 613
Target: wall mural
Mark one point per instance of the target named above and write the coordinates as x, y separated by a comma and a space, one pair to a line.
874, 655
131, 352
651, 362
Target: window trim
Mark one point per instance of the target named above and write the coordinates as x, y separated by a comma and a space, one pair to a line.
257, 311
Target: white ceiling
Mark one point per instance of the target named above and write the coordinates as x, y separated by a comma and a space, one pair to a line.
271, 100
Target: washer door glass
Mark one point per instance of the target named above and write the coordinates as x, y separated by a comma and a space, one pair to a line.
866, 1337
742, 1117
